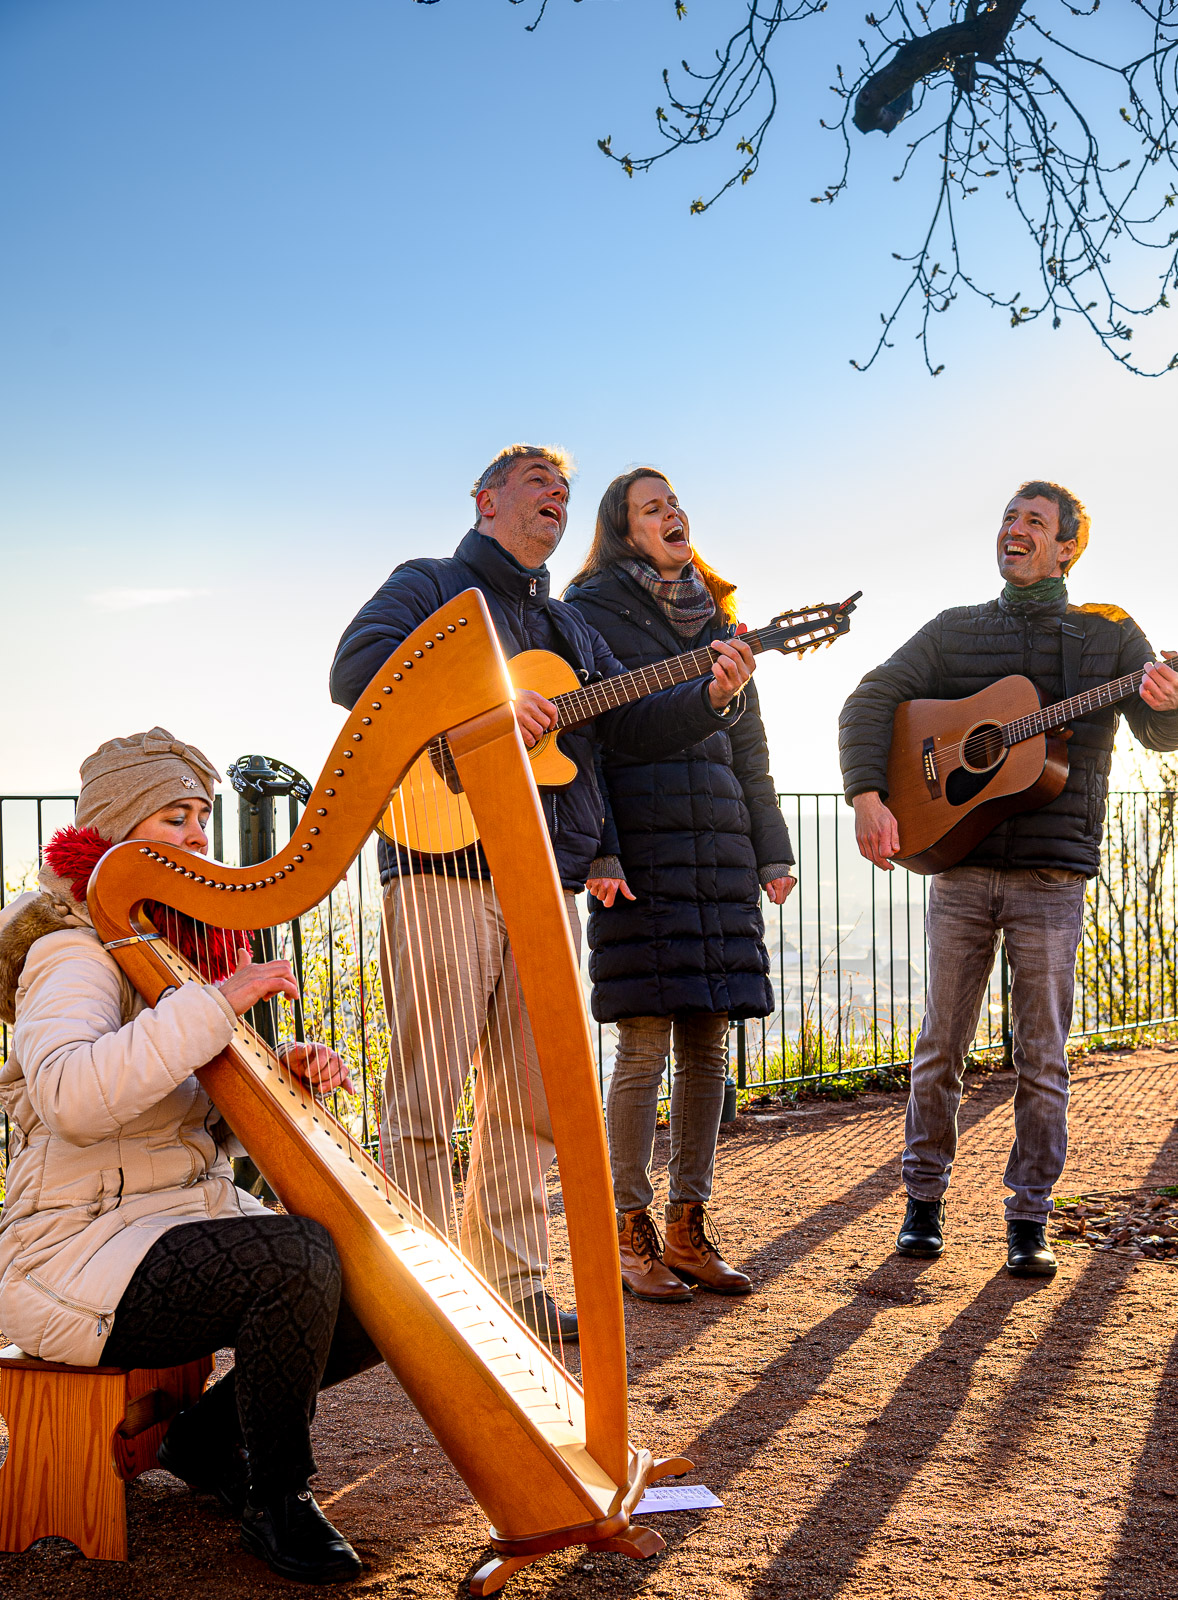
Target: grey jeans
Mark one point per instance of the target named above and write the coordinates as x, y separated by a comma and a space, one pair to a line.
1039, 913
697, 1101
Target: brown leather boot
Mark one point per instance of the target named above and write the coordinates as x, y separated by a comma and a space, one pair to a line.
640, 1248
693, 1252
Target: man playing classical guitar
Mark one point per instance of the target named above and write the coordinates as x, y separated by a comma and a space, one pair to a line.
1026, 879
465, 1006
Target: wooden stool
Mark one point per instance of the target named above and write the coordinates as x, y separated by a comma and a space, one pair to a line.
76, 1436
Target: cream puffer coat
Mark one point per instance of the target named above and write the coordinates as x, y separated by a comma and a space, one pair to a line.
113, 1140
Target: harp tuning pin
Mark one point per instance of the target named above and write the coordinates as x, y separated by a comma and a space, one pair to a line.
388, 689
356, 737
321, 811
366, 722
450, 627
396, 679
462, 622
330, 793
429, 644
419, 654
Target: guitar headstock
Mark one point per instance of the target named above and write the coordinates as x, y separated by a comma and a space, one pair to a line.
795, 632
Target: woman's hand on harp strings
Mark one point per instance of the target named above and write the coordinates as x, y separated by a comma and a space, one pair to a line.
255, 981
317, 1065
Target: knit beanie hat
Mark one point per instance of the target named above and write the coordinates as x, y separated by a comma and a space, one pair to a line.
127, 780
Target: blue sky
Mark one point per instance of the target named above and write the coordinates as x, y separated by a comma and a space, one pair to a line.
277, 277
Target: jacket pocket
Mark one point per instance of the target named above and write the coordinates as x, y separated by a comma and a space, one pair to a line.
102, 1318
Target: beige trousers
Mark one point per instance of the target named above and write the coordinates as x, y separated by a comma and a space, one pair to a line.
453, 1001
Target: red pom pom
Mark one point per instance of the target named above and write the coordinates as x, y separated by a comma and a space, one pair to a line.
73, 853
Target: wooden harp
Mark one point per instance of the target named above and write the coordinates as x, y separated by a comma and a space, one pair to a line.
547, 1458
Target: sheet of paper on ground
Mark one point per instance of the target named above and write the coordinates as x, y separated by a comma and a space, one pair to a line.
676, 1497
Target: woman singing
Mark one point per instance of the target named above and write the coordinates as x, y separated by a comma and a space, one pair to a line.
123, 1239
676, 934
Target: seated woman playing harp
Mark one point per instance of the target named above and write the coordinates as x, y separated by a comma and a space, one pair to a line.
123, 1239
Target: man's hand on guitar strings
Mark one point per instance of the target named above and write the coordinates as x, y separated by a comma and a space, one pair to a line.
607, 889
317, 1065
535, 715
877, 832
1159, 687
733, 667
779, 889
255, 981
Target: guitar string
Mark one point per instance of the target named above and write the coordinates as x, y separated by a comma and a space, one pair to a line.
1047, 720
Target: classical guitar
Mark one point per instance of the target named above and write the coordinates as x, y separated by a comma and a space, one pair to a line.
429, 811
957, 768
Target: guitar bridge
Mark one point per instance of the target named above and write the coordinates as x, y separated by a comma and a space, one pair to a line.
928, 761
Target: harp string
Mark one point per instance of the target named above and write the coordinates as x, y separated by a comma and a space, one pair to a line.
467, 1034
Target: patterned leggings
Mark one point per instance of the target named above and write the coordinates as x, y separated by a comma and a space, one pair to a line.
270, 1288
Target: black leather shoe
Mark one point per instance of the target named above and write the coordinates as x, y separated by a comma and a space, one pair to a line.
1028, 1255
295, 1539
218, 1467
551, 1327
921, 1233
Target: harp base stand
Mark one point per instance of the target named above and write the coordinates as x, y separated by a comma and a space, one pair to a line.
617, 1533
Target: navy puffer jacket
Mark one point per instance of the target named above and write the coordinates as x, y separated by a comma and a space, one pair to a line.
525, 618
694, 832
970, 647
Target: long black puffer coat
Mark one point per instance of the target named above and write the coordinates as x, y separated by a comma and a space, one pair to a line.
694, 833
969, 647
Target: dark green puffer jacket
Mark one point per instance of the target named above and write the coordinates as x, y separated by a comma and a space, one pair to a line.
969, 647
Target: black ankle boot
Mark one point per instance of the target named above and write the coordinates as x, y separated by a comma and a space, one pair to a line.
1028, 1255
294, 1538
921, 1232
209, 1465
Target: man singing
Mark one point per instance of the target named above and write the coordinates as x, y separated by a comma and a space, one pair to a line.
1026, 879
466, 1006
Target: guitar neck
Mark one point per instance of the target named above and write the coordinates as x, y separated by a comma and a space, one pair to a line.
1078, 705
582, 705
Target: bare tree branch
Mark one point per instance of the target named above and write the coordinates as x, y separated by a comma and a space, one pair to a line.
983, 107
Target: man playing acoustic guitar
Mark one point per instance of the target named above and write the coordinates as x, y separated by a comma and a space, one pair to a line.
446, 964
1025, 880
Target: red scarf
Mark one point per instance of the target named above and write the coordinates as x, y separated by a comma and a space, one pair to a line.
73, 853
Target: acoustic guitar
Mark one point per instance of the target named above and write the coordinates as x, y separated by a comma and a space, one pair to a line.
429, 811
957, 768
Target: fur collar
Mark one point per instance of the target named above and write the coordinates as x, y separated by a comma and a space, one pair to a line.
31, 918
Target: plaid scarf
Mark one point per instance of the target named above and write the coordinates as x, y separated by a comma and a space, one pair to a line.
686, 600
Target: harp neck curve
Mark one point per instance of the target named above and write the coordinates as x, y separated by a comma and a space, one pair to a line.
424, 688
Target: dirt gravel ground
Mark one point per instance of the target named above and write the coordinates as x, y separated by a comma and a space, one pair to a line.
875, 1427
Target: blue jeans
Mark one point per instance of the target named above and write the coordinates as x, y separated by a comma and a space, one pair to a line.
1039, 912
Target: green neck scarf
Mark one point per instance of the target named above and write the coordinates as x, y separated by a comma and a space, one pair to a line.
1035, 594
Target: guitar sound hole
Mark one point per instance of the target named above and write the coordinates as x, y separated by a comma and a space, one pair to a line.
962, 785
982, 749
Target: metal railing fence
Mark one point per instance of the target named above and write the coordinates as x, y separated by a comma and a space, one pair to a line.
847, 950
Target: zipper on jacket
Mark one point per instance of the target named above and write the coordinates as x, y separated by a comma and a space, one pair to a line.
532, 588
105, 1318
